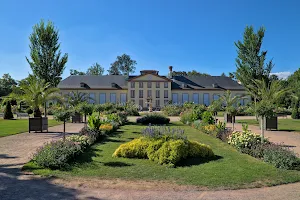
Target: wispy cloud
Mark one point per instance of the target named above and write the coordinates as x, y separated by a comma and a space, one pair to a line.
282, 75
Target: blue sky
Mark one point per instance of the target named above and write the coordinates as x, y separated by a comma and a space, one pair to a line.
186, 34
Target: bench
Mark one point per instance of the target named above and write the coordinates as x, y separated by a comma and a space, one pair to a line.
2, 115
20, 115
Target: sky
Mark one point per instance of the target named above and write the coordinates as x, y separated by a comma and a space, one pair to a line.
187, 34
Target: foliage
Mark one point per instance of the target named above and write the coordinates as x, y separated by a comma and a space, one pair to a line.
188, 117
123, 64
172, 109
209, 129
163, 132
265, 109
198, 111
106, 128
189, 73
46, 61
94, 122
85, 108
75, 98
75, 72
7, 111
57, 154
95, 69
119, 117
196, 149
92, 134
136, 148
296, 113
153, 118
83, 140
6, 85
207, 118
244, 139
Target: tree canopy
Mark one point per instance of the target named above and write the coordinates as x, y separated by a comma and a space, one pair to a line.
123, 64
6, 85
95, 69
188, 73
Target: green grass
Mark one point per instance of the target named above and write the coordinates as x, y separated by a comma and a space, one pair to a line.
230, 169
283, 124
12, 127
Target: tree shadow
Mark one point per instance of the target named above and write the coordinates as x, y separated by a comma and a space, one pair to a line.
117, 164
197, 161
114, 140
5, 156
287, 130
87, 156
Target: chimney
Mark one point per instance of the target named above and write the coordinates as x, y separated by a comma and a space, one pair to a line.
170, 75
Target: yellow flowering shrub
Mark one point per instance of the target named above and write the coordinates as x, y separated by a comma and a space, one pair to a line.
136, 148
209, 129
196, 149
106, 128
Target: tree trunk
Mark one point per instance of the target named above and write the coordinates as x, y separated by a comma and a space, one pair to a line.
262, 128
45, 109
64, 134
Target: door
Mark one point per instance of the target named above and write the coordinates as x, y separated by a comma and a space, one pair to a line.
185, 97
196, 98
112, 97
102, 98
123, 98
206, 99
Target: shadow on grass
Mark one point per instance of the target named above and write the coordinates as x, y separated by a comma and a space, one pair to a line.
87, 156
114, 140
197, 161
287, 130
117, 164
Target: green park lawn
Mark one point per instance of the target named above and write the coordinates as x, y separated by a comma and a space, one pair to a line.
283, 124
12, 127
230, 169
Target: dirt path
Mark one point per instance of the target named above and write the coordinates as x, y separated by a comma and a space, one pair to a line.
14, 184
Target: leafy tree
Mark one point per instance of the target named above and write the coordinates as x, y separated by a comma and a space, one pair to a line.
125, 64
46, 61
7, 112
6, 84
215, 107
75, 98
86, 109
295, 112
189, 73
64, 116
95, 69
35, 94
250, 61
114, 69
75, 72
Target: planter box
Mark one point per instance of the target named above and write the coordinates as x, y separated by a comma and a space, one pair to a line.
228, 118
38, 124
271, 123
77, 118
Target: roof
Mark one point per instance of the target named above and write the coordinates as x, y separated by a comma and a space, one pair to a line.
94, 82
205, 82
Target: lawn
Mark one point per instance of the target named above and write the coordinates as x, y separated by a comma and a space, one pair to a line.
230, 169
12, 127
283, 124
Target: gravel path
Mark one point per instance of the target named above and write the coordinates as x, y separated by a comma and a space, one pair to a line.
14, 184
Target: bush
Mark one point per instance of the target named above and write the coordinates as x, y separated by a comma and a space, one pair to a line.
188, 117
210, 129
207, 118
295, 112
106, 128
119, 117
280, 157
136, 148
7, 112
57, 154
165, 132
29, 111
197, 149
92, 134
172, 110
153, 118
244, 139
198, 111
94, 122
83, 140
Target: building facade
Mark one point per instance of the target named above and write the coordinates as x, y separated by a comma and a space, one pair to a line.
150, 86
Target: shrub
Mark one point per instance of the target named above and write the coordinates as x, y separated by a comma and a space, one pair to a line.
244, 139
158, 132
172, 110
280, 157
92, 134
94, 122
106, 128
83, 140
197, 149
136, 148
295, 112
119, 117
198, 111
210, 129
153, 118
207, 118
57, 155
29, 111
7, 112
188, 117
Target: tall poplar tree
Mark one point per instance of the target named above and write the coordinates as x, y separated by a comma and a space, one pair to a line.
46, 62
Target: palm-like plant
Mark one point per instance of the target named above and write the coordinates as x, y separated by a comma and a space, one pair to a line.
75, 98
35, 94
230, 102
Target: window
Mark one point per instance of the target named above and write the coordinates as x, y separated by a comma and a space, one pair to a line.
206, 99
123, 98
132, 84
157, 84
141, 103
196, 98
149, 85
166, 94
102, 98
157, 103
92, 98
141, 94
149, 93
132, 93
166, 84
175, 98
113, 98
141, 85
157, 92
185, 97
216, 97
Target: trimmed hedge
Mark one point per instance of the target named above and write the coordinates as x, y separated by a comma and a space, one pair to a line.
153, 118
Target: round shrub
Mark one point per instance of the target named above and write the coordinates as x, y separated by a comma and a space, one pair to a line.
188, 117
136, 148
207, 118
153, 118
172, 110
197, 149
153, 148
244, 139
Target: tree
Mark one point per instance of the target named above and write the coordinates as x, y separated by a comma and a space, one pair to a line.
295, 112
230, 102
46, 61
223, 74
95, 69
75, 72
250, 61
64, 116
75, 98
114, 69
215, 107
125, 64
86, 109
232, 75
35, 94
6, 85
7, 112
189, 73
